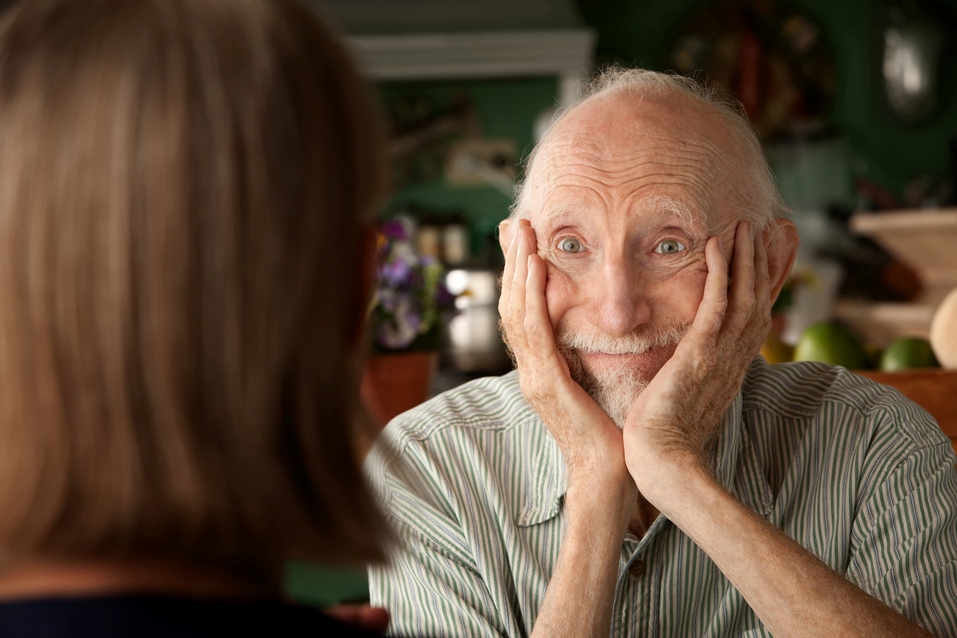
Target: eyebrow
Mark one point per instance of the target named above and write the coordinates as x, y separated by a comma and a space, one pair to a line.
553, 213
678, 208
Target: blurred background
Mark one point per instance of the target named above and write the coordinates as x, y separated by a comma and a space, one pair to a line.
856, 103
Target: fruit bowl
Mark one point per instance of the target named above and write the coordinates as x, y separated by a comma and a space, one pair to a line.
925, 241
922, 239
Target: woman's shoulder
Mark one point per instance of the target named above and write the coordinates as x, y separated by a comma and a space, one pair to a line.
164, 617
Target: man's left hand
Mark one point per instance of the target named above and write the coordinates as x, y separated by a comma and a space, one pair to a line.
674, 419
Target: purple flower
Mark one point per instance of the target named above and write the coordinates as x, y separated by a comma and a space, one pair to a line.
411, 298
395, 273
394, 230
403, 329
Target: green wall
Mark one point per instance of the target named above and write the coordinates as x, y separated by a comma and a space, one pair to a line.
637, 31
507, 108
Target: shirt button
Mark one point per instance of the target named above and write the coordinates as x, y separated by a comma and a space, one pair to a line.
637, 568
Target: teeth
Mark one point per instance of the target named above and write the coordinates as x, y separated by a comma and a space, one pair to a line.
624, 352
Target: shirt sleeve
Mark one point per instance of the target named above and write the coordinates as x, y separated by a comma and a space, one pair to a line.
429, 593
433, 584
905, 533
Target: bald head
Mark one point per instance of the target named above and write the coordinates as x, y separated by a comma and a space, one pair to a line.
651, 142
628, 110
624, 195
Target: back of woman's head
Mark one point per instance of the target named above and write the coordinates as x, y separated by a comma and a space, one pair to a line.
182, 186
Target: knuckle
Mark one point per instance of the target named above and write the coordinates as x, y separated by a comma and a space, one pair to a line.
749, 303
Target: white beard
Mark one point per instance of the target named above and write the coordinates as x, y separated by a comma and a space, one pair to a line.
614, 387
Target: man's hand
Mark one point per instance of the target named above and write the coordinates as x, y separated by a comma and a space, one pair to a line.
672, 423
374, 620
601, 495
667, 435
589, 440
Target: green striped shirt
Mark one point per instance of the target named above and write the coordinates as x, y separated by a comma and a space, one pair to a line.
857, 474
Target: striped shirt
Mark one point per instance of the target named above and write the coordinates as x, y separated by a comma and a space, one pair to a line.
856, 473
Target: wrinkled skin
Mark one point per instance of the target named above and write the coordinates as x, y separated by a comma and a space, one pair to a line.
677, 414
631, 226
652, 237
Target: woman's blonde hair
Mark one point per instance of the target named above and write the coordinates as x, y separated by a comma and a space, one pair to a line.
182, 188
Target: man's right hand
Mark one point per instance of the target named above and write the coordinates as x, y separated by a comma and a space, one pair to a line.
587, 437
601, 494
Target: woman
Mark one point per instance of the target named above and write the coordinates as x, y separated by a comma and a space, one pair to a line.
184, 188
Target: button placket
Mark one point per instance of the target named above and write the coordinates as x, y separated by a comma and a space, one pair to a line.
636, 568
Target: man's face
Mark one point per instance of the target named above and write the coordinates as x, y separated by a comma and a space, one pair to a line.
624, 197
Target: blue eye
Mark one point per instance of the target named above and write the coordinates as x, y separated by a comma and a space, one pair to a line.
669, 247
570, 245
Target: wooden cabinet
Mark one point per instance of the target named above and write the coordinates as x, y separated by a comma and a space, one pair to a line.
925, 240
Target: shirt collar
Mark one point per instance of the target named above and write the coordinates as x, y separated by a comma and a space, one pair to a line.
736, 465
550, 476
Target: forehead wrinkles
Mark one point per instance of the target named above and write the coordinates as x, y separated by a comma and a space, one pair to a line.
627, 173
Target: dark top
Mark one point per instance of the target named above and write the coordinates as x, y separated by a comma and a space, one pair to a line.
163, 617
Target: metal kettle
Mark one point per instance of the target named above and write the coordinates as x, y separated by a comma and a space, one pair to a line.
473, 343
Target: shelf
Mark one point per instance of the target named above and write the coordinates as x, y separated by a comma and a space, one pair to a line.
565, 53
882, 323
904, 221
925, 240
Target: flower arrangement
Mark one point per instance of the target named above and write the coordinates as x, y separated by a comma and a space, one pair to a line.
411, 302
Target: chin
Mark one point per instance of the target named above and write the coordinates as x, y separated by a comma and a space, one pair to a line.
615, 370
614, 381
642, 366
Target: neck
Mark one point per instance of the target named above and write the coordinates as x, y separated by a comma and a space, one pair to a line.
37, 578
645, 514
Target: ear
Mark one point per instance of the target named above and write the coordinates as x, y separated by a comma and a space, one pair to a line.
505, 235
781, 240
365, 282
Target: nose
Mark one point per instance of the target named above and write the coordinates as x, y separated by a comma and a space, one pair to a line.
621, 303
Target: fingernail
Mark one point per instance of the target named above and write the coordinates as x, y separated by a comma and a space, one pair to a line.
751, 229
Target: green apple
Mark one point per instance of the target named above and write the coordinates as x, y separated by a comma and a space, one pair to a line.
907, 353
830, 342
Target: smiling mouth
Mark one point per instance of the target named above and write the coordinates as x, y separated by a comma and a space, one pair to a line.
646, 363
649, 351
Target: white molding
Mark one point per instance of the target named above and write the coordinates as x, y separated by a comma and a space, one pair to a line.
563, 53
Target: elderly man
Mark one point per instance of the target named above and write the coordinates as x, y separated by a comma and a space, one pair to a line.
642, 473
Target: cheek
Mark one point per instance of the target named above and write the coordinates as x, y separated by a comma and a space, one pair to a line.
692, 295
678, 299
560, 293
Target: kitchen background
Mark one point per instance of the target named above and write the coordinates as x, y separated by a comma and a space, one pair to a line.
856, 101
